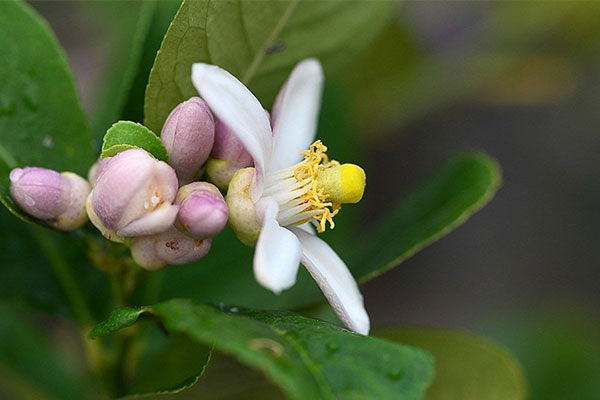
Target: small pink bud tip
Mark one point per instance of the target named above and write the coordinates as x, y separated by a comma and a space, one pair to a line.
133, 195
227, 147
203, 212
189, 134
40, 192
57, 199
96, 169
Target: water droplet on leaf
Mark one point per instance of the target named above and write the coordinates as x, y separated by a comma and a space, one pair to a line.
395, 374
333, 347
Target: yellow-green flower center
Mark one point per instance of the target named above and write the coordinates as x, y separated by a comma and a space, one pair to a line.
314, 189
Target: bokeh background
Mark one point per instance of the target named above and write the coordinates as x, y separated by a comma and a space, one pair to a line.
518, 80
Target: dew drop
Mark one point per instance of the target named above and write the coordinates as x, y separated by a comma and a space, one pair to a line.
30, 97
395, 374
333, 347
47, 142
234, 309
30, 201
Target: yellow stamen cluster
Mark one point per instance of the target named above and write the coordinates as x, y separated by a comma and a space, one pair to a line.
316, 160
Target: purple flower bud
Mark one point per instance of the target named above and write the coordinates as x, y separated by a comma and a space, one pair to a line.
188, 135
40, 192
75, 216
169, 247
228, 156
228, 147
96, 169
133, 195
202, 210
58, 199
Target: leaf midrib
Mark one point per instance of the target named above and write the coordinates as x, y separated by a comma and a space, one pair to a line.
258, 57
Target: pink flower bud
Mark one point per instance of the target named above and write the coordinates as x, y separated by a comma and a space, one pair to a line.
188, 135
169, 247
133, 195
228, 147
96, 169
75, 216
202, 210
228, 156
58, 199
40, 192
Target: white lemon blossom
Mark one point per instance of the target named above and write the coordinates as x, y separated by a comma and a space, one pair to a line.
293, 182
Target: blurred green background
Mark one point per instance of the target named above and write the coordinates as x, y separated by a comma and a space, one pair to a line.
518, 80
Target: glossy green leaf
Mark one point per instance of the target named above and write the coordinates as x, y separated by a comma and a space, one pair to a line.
125, 135
41, 122
447, 199
466, 367
33, 367
307, 359
257, 41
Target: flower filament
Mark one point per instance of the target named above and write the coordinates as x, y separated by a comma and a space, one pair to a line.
314, 189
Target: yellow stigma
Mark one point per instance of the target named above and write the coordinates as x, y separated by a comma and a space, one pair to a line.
343, 183
329, 185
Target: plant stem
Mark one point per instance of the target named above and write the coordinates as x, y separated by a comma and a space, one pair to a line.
64, 277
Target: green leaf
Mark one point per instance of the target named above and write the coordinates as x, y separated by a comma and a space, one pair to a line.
182, 362
307, 359
559, 348
125, 135
466, 367
31, 366
460, 188
259, 42
41, 122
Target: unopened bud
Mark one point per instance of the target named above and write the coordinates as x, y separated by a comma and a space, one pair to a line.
189, 134
133, 195
228, 156
170, 247
58, 199
96, 169
202, 210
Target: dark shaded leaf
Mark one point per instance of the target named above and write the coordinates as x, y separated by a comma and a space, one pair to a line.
466, 367
257, 41
307, 359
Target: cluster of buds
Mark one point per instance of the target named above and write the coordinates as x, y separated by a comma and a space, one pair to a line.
161, 211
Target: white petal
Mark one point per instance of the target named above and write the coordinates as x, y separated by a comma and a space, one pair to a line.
296, 113
154, 222
278, 251
335, 280
307, 227
237, 107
